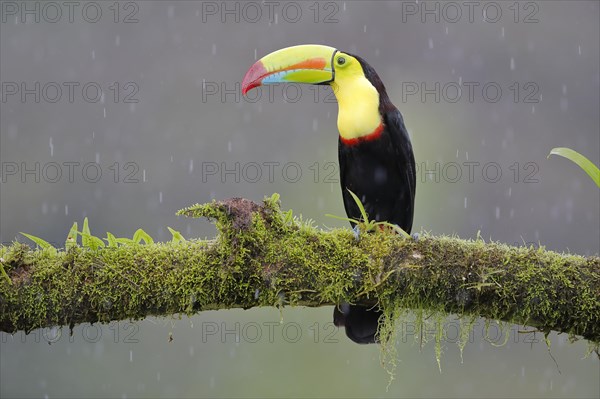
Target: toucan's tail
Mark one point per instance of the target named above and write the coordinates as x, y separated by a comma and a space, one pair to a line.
361, 322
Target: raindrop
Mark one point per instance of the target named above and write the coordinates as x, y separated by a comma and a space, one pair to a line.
229, 146
365, 28
497, 212
171, 158
93, 135
380, 176
512, 213
377, 51
93, 54
102, 98
510, 191
191, 166
430, 43
132, 107
44, 208
315, 124
533, 109
579, 50
457, 153
467, 155
144, 175
66, 210
131, 356
105, 112
502, 34
160, 197
214, 48
446, 29
460, 80
197, 13
255, 55
276, 18
118, 41
170, 11
320, 203
98, 158
512, 64
51, 147
465, 202
344, 6
564, 90
191, 349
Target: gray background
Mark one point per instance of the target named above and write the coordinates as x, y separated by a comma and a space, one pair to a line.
163, 145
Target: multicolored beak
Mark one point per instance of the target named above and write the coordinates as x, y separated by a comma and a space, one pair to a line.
308, 63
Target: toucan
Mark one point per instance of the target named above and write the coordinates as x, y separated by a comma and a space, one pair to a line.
375, 153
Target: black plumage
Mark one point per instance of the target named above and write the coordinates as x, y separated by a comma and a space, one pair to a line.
381, 172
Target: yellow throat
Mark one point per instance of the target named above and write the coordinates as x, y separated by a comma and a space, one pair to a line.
358, 101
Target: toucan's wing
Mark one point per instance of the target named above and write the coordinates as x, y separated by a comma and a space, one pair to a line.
405, 163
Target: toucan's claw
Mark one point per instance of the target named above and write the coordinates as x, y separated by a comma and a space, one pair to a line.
356, 232
415, 237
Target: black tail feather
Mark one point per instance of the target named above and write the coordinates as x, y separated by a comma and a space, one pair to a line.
361, 322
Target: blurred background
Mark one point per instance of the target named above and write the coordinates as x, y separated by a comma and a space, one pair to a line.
125, 112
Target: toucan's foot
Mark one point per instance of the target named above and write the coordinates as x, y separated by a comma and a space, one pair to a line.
416, 236
356, 231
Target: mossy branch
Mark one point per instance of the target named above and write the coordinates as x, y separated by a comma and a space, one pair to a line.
264, 257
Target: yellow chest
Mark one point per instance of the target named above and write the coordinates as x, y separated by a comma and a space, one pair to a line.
358, 102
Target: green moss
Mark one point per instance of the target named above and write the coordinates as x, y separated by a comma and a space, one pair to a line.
264, 257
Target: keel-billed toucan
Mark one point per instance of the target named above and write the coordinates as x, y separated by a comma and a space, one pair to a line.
375, 153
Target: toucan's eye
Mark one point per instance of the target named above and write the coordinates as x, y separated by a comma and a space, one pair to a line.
341, 61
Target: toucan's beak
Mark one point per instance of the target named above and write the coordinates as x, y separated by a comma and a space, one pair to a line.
308, 63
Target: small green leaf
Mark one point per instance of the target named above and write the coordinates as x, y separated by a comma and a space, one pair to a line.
85, 234
363, 212
111, 239
176, 235
93, 242
4, 273
329, 215
72, 237
584, 163
125, 241
288, 217
140, 235
87, 239
275, 197
40, 242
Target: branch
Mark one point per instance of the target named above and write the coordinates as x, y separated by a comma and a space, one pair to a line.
263, 257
